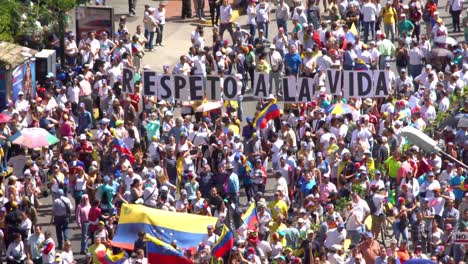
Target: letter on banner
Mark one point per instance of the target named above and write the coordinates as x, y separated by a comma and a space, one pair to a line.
230, 89
348, 84
165, 88
364, 84
381, 82
261, 85
289, 89
305, 89
128, 80
181, 87
212, 88
196, 87
333, 83
150, 87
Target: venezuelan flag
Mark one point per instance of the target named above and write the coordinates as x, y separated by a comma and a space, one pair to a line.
268, 113
110, 258
250, 216
224, 243
120, 146
188, 230
160, 252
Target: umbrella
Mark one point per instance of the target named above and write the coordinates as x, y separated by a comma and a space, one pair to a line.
33, 137
426, 143
340, 109
446, 40
4, 118
209, 106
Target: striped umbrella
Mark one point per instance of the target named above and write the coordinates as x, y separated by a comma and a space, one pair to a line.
33, 137
340, 109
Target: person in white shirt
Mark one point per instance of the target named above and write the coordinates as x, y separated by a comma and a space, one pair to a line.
335, 236
210, 238
282, 15
444, 104
456, 7
415, 62
263, 16
21, 103
370, 14
335, 255
226, 23
430, 186
160, 15
281, 41
182, 67
428, 110
251, 20
276, 62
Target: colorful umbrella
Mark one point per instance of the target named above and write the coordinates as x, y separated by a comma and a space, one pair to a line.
34, 137
340, 109
4, 118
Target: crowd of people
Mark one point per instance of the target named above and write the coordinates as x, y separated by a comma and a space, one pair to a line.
348, 188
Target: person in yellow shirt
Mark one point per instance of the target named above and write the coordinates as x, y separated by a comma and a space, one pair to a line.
275, 226
96, 251
392, 164
390, 20
278, 206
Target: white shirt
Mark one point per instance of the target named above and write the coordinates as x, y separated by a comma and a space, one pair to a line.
415, 56
251, 14
369, 11
160, 16
210, 240
262, 12
225, 13
455, 4
444, 104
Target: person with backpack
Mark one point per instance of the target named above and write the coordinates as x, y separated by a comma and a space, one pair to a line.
376, 205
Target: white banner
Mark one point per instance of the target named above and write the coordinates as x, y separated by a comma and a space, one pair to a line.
353, 84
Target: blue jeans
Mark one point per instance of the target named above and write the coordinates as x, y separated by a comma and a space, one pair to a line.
354, 236
252, 28
398, 231
264, 26
151, 40
282, 23
84, 237
369, 26
61, 229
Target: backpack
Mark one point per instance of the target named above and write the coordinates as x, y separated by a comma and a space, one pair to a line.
371, 204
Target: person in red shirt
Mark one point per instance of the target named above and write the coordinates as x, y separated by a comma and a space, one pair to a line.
84, 150
423, 165
93, 218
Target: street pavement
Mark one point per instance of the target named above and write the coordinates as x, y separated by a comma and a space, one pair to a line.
176, 42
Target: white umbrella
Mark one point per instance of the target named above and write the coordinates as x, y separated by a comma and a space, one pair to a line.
426, 143
446, 40
418, 138
209, 106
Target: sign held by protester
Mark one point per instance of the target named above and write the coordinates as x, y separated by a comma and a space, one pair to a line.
358, 84
460, 237
189, 88
128, 83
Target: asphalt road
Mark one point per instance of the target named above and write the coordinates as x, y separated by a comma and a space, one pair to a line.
177, 42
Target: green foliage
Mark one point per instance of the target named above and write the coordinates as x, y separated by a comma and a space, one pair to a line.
357, 188
342, 203
23, 23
